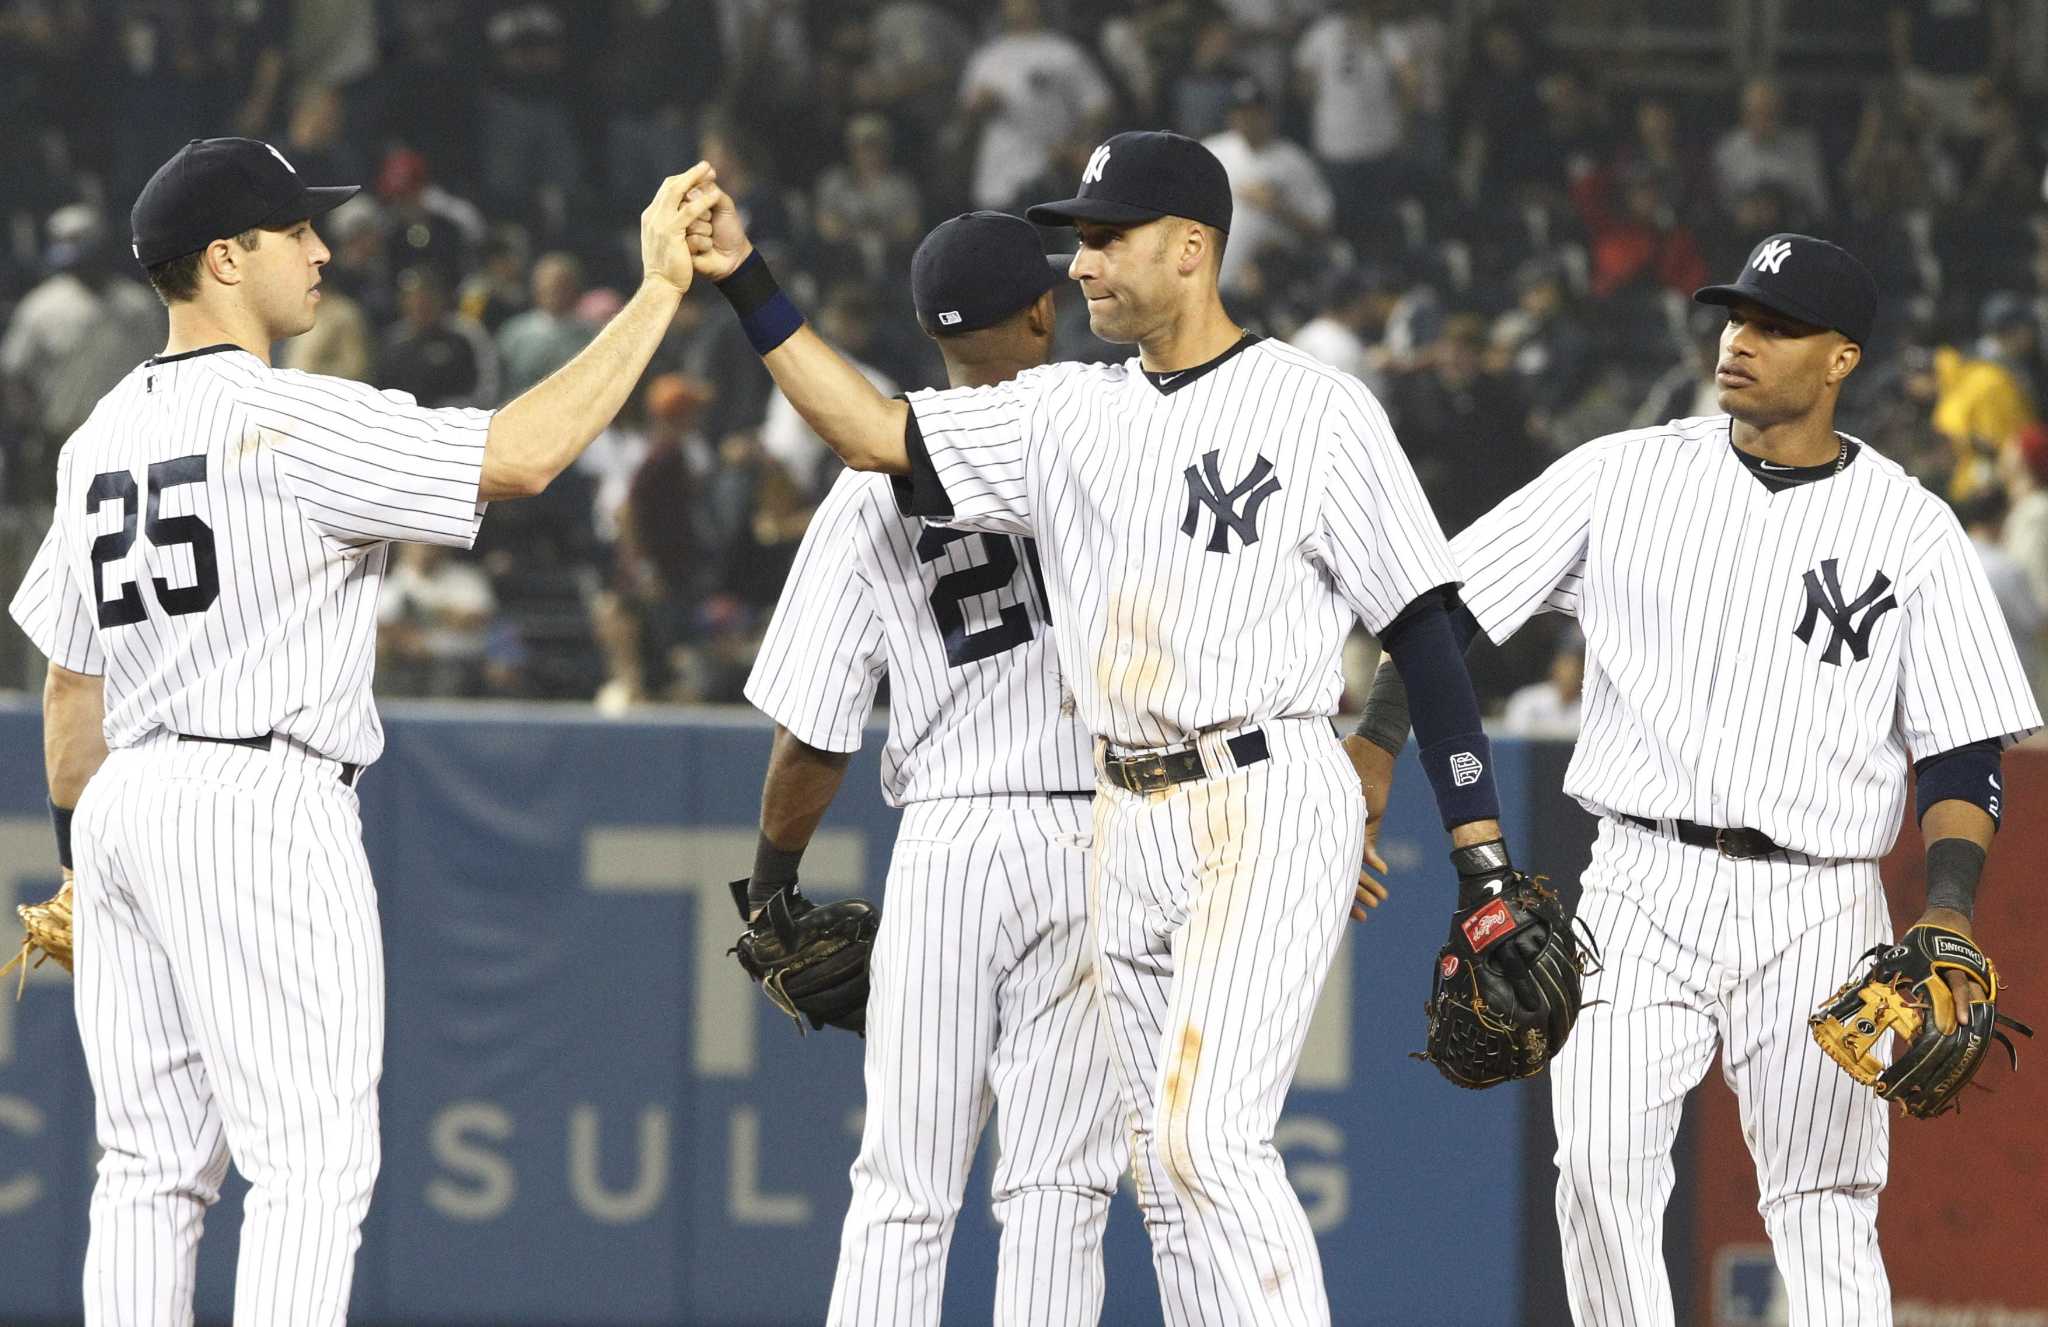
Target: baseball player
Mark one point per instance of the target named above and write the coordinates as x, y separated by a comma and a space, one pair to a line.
982, 984
1211, 516
207, 600
1777, 619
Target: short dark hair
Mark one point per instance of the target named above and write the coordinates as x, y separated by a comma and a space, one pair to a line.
177, 279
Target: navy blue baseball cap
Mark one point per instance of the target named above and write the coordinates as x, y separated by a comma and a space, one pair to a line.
1141, 176
1808, 279
978, 269
217, 187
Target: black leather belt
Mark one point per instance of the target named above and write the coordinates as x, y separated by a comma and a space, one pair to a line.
1153, 770
1739, 844
349, 773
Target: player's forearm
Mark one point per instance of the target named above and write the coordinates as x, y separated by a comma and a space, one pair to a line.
543, 431
802, 781
1958, 835
863, 426
74, 741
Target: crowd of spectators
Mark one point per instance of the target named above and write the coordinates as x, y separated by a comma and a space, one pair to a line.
1495, 233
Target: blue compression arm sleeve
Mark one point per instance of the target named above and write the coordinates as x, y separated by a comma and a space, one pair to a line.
1428, 649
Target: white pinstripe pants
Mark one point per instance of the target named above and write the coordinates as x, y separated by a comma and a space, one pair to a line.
1701, 953
1220, 904
230, 996
983, 992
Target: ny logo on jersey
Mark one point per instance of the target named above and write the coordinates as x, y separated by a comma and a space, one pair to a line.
1205, 489
1771, 256
1824, 597
1092, 172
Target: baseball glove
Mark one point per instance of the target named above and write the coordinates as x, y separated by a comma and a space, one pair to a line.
1903, 990
1507, 988
48, 936
811, 960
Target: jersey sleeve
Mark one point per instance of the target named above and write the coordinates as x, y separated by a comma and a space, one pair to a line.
969, 455
371, 465
1377, 536
1528, 555
1962, 680
818, 666
53, 609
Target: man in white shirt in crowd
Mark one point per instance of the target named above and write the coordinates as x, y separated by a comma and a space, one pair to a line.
1283, 204
1029, 89
1357, 107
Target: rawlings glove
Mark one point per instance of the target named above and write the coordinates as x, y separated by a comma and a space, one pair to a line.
1903, 990
48, 936
812, 961
1507, 988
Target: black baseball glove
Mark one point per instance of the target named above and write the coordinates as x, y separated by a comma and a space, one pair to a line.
1507, 986
811, 960
1899, 992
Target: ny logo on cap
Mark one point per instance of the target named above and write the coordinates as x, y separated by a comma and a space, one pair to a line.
1092, 172
1771, 255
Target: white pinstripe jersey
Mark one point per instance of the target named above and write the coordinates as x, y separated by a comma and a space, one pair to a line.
1756, 659
1206, 543
959, 623
220, 536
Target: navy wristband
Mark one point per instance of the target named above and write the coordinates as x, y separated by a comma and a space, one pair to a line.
767, 314
1968, 773
60, 820
1460, 772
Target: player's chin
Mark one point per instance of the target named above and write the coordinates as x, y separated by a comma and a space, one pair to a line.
1103, 320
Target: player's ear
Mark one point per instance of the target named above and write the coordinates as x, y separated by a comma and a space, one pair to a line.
1042, 315
1194, 249
223, 259
1847, 356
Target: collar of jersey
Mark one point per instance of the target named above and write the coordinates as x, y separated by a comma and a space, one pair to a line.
155, 360
1169, 383
1776, 479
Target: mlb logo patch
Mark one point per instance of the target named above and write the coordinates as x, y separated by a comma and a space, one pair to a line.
949, 317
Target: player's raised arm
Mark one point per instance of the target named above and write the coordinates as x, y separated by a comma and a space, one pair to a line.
863, 426
542, 432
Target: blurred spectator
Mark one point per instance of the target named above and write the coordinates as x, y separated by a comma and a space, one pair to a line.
533, 165
1897, 163
1418, 41
497, 289
767, 49
1542, 344
1763, 149
914, 52
424, 223
333, 43
432, 615
1505, 148
426, 94
1345, 333
2009, 336
72, 338
1641, 244
1979, 405
1282, 208
2024, 469
1983, 517
1550, 708
866, 208
1265, 33
1687, 388
2001, 178
178, 64
847, 320
1940, 48
1198, 94
1655, 150
442, 359
746, 172
533, 344
664, 559
316, 136
1357, 106
661, 68
1025, 91
1462, 427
